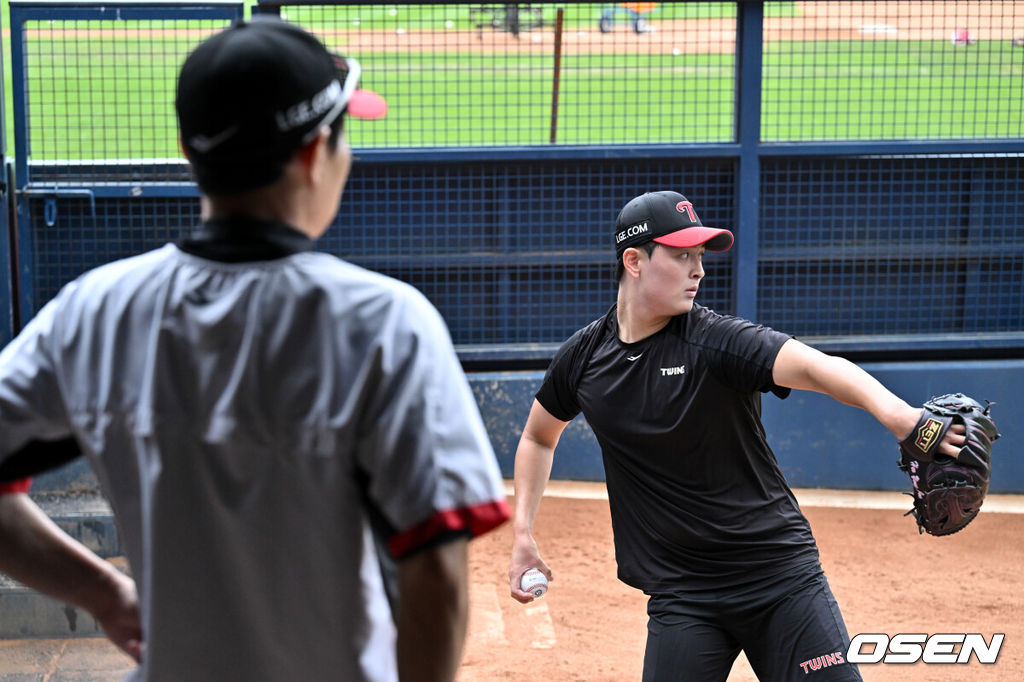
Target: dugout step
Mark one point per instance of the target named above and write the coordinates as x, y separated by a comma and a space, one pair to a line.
24, 613
85, 515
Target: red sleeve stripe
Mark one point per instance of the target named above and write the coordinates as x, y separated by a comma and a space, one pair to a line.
477, 520
22, 485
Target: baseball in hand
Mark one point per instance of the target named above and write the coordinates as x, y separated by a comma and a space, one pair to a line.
534, 582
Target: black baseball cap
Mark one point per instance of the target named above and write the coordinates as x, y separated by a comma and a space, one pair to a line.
667, 218
251, 95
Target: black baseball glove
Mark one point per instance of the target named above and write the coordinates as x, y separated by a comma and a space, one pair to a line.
948, 492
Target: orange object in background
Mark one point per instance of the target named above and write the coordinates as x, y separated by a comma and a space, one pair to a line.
635, 12
639, 7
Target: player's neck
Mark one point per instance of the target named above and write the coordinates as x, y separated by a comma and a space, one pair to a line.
636, 321
260, 206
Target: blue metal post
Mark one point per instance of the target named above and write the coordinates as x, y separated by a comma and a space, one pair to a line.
23, 11
21, 242
749, 20
6, 192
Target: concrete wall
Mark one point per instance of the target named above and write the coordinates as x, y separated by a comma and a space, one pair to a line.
818, 441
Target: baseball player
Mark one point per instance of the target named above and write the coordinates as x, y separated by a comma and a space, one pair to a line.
704, 522
289, 444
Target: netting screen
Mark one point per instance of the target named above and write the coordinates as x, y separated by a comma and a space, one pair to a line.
892, 246
502, 275
104, 89
457, 75
892, 70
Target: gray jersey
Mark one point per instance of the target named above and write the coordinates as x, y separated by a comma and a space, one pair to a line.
261, 429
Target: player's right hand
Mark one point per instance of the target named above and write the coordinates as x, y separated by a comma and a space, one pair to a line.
524, 557
119, 615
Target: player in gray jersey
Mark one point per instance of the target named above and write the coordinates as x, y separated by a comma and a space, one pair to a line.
704, 521
291, 449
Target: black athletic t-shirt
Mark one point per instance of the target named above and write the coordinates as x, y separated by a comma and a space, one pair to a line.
697, 499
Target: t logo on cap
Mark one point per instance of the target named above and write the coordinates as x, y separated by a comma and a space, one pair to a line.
688, 208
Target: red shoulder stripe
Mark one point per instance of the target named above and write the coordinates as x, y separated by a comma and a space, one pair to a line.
477, 520
22, 485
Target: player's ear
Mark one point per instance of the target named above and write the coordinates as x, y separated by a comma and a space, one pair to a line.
312, 155
631, 259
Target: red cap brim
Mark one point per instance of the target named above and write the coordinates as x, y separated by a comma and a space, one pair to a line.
367, 104
713, 238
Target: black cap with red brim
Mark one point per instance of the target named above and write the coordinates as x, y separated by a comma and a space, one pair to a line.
261, 89
668, 218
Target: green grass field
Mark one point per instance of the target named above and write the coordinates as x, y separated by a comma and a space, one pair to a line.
110, 96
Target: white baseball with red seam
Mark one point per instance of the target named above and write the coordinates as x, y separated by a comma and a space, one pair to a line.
534, 582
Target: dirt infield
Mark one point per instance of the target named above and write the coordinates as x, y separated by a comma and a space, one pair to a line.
592, 628
886, 577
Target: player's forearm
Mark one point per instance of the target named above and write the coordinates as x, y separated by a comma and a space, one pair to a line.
532, 468
854, 386
37, 553
801, 367
531, 472
433, 612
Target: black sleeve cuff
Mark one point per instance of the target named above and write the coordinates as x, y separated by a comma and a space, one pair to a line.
39, 456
